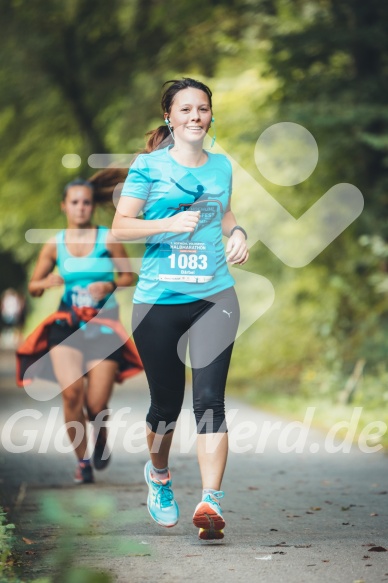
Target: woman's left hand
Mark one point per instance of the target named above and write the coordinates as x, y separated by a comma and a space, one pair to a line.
236, 249
100, 289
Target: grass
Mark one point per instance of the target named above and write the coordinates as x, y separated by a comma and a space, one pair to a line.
364, 421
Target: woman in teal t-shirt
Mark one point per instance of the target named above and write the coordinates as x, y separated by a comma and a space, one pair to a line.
185, 295
86, 257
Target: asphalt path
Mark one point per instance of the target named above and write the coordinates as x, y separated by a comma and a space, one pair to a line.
311, 515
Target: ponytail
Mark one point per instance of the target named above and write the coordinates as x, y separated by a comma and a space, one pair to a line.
158, 138
106, 183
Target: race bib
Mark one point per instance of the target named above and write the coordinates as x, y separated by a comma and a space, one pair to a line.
81, 298
187, 261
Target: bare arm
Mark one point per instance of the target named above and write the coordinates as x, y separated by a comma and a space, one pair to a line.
127, 227
228, 222
236, 248
120, 259
100, 289
42, 277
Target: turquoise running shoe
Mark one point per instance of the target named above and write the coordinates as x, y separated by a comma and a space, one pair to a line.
208, 517
160, 502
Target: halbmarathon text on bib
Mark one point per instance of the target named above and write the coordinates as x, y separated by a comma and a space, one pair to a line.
187, 261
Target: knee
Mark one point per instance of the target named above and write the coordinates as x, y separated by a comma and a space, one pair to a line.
72, 398
163, 419
99, 410
209, 411
207, 400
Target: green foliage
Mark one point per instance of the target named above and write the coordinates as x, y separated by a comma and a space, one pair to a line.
5, 537
95, 519
84, 77
81, 77
6, 546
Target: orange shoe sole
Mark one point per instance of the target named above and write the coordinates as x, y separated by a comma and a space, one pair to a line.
205, 517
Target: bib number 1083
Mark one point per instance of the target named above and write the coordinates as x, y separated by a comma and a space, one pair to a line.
188, 261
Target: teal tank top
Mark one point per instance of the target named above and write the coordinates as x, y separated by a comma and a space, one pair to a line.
79, 272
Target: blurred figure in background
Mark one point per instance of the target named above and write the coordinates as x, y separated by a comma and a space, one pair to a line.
88, 346
13, 311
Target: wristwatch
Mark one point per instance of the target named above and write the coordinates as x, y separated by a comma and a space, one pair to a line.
238, 228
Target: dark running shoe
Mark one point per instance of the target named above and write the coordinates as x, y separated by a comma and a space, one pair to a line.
83, 474
101, 455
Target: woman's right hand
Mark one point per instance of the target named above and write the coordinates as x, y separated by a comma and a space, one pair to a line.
52, 280
183, 222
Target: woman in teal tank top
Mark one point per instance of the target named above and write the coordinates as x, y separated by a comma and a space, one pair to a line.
86, 257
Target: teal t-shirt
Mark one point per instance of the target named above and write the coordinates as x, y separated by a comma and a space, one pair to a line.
79, 272
181, 268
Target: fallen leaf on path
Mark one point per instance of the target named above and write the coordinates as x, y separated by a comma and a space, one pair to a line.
193, 555
314, 565
273, 530
315, 508
346, 523
359, 581
308, 512
28, 541
30, 552
252, 488
377, 550
302, 546
373, 514
279, 553
381, 493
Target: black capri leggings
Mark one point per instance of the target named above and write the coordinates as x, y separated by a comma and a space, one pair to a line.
162, 333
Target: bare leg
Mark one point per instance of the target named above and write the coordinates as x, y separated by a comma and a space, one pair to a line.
159, 446
212, 451
101, 376
67, 365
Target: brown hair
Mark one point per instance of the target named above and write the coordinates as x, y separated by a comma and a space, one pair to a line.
104, 183
161, 137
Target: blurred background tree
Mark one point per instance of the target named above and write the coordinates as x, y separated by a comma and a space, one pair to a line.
84, 77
